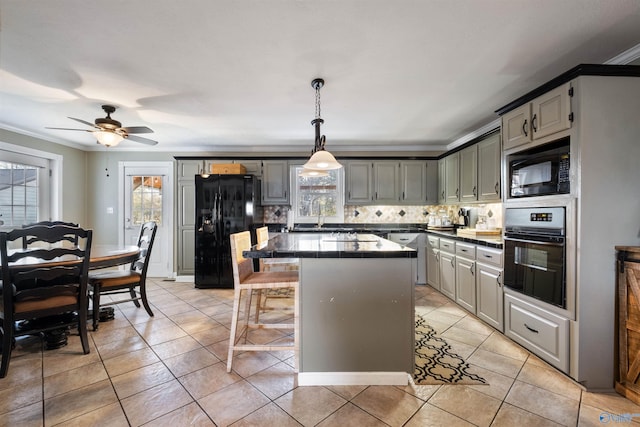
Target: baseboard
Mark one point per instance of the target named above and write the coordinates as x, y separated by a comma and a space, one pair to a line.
352, 378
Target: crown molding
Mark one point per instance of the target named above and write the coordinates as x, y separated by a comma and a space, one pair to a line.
626, 57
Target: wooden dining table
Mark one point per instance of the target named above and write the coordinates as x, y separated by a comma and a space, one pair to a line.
102, 256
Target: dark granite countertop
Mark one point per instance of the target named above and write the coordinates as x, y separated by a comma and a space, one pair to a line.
495, 242
329, 245
362, 228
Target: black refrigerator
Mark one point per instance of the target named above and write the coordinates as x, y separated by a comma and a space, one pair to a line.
225, 204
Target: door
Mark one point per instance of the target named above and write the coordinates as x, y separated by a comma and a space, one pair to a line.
147, 195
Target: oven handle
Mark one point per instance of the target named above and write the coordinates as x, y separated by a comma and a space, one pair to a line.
535, 267
535, 242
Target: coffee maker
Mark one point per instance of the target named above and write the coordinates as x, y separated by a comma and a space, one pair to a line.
467, 217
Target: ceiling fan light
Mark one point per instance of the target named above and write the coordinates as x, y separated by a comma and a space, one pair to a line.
107, 138
322, 160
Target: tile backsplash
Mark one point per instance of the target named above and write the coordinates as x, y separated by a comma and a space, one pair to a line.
393, 214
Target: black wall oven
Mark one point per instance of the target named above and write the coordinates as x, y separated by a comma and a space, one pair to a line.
540, 171
534, 253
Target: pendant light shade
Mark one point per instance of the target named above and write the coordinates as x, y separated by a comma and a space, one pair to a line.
312, 173
321, 159
107, 138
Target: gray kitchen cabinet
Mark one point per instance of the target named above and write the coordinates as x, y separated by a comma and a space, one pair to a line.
466, 276
358, 179
452, 178
489, 292
414, 180
489, 175
385, 182
545, 115
433, 261
418, 182
448, 268
275, 182
468, 166
442, 179
185, 237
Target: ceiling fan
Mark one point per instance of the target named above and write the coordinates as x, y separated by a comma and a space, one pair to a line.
109, 132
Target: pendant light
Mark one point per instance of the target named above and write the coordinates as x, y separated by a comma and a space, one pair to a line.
321, 159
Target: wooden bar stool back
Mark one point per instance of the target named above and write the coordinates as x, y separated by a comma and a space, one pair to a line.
248, 280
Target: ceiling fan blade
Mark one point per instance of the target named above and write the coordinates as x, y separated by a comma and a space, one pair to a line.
142, 140
84, 122
81, 130
137, 129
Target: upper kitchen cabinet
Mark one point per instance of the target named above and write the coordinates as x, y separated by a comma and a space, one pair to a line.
385, 182
442, 179
489, 154
452, 178
471, 174
275, 182
545, 115
418, 182
358, 179
468, 165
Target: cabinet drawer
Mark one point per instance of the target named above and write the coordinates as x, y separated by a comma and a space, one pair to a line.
466, 250
434, 242
489, 256
544, 333
448, 245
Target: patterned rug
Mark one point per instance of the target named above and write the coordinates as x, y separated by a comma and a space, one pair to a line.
436, 363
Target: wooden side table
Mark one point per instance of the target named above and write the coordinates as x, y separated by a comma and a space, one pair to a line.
627, 374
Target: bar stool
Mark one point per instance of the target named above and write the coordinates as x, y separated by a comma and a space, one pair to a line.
272, 264
246, 279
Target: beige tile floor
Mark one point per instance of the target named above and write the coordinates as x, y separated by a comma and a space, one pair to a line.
170, 370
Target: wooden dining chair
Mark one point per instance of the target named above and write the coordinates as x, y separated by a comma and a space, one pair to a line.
132, 281
247, 280
32, 239
42, 286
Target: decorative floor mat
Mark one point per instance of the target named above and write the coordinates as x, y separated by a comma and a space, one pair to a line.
435, 361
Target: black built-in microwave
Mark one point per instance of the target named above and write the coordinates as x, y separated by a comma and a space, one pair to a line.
540, 171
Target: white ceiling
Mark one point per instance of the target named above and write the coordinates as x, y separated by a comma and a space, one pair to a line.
212, 75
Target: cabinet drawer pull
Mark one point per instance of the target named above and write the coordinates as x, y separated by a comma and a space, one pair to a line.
498, 280
452, 263
533, 122
488, 256
472, 269
475, 194
524, 128
497, 188
530, 328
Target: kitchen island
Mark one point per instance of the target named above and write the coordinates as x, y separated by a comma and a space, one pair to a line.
356, 306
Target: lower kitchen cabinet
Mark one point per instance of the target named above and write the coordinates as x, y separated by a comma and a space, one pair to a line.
489, 296
466, 276
489, 291
433, 261
447, 268
544, 333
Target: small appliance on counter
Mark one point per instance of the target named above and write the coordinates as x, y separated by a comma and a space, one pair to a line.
467, 217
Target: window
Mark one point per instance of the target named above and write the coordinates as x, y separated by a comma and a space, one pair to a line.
24, 180
317, 199
146, 199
